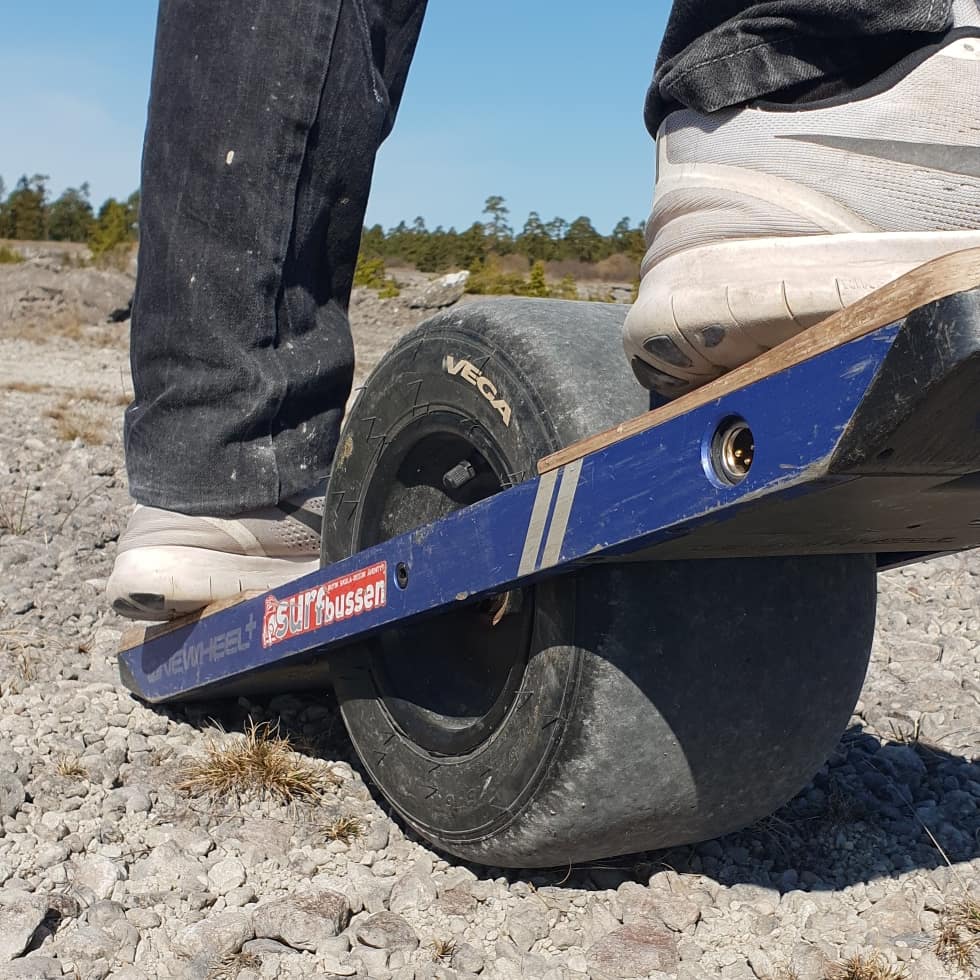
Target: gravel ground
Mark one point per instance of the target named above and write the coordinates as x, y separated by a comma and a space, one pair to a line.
107, 868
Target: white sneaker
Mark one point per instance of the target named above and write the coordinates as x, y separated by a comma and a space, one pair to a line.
767, 220
170, 564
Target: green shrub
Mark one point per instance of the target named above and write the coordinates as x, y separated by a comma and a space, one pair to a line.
371, 274
115, 226
487, 279
566, 288
8, 256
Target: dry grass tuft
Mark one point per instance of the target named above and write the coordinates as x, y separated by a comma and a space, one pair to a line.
842, 809
260, 764
13, 516
26, 666
67, 325
231, 964
72, 421
443, 949
69, 767
345, 829
958, 942
870, 967
21, 650
81, 394
25, 387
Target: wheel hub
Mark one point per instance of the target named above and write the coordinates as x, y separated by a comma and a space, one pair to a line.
446, 682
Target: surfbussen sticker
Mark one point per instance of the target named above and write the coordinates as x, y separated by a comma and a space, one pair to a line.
333, 602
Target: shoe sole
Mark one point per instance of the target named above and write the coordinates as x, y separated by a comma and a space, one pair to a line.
160, 583
703, 312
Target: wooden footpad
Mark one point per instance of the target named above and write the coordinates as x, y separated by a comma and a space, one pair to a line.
136, 636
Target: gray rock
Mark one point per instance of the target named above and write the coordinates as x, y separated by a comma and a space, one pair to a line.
99, 875
303, 921
13, 763
238, 897
412, 892
441, 292
226, 875
19, 920
900, 760
376, 838
456, 901
930, 967
598, 922
87, 949
374, 961
761, 964
527, 925
166, 868
467, 958
31, 968
634, 951
369, 892
143, 918
104, 913
386, 930
676, 911
12, 794
217, 935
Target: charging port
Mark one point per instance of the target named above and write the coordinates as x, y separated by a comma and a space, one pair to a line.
732, 450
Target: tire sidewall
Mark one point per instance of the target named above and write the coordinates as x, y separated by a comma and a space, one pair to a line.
466, 798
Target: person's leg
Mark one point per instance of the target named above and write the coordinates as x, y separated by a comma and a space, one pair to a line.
821, 150
263, 126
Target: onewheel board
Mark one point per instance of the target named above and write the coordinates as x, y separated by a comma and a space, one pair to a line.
511, 606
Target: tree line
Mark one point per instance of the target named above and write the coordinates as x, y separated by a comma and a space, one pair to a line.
557, 240
27, 213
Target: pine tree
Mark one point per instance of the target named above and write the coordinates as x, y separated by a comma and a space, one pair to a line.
26, 218
473, 246
534, 241
70, 217
373, 242
583, 242
498, 231
628, 240
113, 227
556, 229
536, 284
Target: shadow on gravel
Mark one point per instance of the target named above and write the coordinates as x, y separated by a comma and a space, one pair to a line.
877, 808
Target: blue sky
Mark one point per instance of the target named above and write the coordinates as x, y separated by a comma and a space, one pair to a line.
540, 102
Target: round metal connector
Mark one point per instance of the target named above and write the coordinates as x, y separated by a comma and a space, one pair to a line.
732, 451
457, 477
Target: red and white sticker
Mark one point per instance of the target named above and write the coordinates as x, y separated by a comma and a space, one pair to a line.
333, 602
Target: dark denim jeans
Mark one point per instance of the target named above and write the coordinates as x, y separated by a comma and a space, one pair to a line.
264, 122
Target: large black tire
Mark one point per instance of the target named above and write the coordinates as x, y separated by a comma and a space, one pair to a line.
620, 708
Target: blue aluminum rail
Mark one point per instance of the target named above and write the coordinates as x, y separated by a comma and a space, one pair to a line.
836, 467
